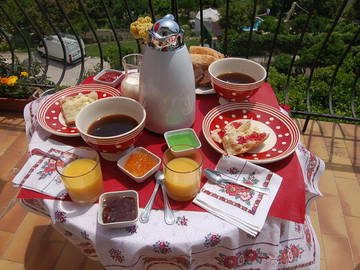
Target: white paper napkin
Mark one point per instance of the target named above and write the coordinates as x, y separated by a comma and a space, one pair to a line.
39, 173
238, 205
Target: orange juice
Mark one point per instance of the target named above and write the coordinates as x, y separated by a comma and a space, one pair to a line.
182, 178
83, 180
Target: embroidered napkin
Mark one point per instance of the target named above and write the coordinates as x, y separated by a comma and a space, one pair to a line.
39, 172
238, 205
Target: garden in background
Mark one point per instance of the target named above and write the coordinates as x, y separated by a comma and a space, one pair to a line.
240, 14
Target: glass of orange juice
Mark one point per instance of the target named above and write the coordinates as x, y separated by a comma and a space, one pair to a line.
182, 172
80, 172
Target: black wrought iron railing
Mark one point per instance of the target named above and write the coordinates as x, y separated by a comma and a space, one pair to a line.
307, 103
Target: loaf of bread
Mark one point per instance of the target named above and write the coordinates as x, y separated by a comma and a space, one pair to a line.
205, 51
239, 137
201, 58
71, 106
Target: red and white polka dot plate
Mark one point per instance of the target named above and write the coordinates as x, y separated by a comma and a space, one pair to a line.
284, 133
49, 114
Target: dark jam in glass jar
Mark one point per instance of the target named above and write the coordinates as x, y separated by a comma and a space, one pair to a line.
118, 209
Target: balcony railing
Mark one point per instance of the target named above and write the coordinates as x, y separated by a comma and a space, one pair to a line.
8, 25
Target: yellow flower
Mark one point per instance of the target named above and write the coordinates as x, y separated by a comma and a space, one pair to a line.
139, 28
11, 80
24, 74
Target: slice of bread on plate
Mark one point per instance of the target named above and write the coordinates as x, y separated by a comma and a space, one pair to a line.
71, 106
239, 137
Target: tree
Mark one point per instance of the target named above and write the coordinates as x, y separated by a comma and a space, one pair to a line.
240, 14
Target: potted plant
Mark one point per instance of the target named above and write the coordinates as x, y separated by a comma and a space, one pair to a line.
13, 95
14, 91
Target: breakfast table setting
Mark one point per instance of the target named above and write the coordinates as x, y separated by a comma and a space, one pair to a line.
169, 187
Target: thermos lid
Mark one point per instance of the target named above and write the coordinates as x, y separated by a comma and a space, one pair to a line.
166, 34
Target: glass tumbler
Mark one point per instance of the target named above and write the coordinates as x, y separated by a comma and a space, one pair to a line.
130, 84
182, 172
81, 174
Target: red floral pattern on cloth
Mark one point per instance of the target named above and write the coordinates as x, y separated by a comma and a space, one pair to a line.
116, 255
182, 221
132, 229
212, 240
162, 247
290, 254
47, 169
239, 193
311, 166
248, 257
60, 216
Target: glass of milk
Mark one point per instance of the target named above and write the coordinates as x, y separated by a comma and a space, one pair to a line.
130, 84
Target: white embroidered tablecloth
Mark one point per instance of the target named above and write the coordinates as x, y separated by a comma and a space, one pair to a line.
198, 240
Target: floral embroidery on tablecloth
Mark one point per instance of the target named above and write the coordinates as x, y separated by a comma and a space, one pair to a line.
308, 236
132, 229
60, 216
311, 167
182, 221
212, 240
162, 247
246, 257
116, 255
290, 254
297, 227
47, 169
85, 235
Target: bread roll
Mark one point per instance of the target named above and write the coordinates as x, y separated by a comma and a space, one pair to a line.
205, 51
71, 106
239, 137
202, 60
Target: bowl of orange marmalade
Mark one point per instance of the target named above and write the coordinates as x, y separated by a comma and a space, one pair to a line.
139, 164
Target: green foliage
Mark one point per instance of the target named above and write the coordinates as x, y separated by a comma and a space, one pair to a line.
240, 13
282, 62
269, 24
329, 56
318, 92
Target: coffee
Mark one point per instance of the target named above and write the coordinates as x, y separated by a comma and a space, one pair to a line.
236, 77
112, 125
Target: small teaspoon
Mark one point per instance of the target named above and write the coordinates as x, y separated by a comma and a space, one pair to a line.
168, 213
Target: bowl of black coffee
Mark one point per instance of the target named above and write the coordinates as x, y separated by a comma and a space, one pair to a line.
236, 79
111, 125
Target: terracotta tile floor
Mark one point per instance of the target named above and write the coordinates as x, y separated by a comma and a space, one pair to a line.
25, 237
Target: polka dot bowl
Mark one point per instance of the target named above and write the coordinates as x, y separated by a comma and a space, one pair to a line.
111, 148
235, 91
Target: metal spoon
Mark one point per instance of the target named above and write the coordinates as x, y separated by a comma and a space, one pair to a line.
145, 215
168, 213
217, 178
